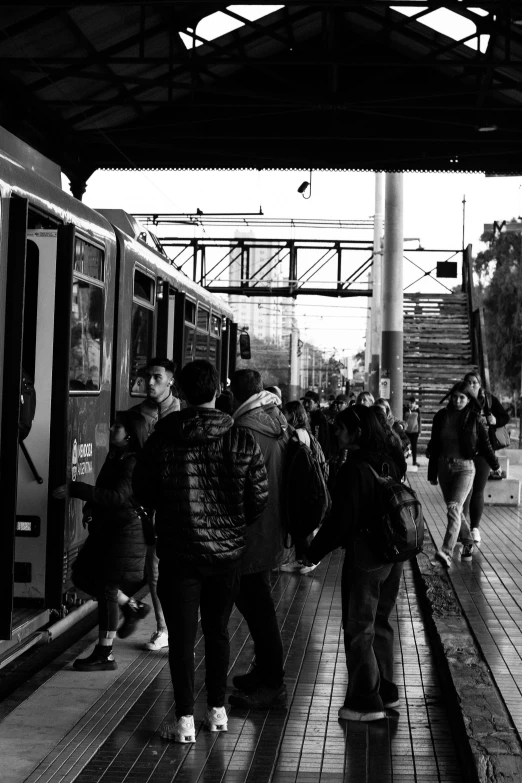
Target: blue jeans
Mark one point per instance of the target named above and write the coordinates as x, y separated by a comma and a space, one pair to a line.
456, 479
369, 592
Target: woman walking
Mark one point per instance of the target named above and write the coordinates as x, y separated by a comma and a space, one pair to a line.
458, 435
112, 559
369, 586
412, 420
496, 416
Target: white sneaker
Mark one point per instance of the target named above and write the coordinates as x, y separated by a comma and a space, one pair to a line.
294, 565
307, 569
475, 534
216, 719
181, 731
158, 641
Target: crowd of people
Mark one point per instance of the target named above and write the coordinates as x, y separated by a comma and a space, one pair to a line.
192, 493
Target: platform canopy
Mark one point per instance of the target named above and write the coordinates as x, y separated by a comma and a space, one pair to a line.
335, 84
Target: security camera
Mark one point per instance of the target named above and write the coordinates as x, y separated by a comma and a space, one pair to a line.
302, 188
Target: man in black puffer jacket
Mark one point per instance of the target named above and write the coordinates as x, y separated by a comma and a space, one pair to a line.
207, 481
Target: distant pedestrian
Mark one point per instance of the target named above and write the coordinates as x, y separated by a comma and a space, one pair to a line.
206, 479
412, 420
365, 398
458, 435
495, 416
369, 586
112, 560
319, 426
258, 413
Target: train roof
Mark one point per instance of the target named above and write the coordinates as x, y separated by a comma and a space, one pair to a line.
150, 253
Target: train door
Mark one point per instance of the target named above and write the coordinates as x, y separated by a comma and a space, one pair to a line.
33, 458
81, 391
12, 282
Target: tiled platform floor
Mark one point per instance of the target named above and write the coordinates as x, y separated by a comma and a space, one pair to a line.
489, 589
115, 740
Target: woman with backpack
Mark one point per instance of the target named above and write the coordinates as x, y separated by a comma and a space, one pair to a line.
458, 436
112, 560
496, 417
369, 585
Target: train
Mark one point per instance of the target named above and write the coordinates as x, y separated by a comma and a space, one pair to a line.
87, 297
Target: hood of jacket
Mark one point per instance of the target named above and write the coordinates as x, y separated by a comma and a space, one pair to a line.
195, 425
266, 419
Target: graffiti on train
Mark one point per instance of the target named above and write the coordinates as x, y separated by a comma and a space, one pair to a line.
81, 459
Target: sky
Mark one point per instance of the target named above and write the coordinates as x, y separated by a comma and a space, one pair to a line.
433, 215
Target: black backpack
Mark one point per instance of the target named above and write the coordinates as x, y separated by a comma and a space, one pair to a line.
27, 406
398, 533
306, 496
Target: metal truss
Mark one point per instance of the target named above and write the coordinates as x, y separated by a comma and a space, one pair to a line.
274, 267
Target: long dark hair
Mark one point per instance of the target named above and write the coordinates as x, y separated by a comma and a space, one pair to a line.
296, 415
461, 387
375, 436
135, 427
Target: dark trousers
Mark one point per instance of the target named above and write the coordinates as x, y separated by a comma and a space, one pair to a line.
254, 601
108, 610
474, 503
369, 592
182, 590
414, 437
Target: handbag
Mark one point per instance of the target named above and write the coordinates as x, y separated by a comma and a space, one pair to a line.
499, 438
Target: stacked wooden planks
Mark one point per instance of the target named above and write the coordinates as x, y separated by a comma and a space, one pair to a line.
437, 350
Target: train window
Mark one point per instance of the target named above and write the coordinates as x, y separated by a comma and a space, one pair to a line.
86, 336
141, 344
215, 326
213, 352
201, 346
190, 337
203, 318
88, 259
190, 311
143, 286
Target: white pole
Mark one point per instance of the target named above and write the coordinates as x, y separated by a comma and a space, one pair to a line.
294, 363
376, 337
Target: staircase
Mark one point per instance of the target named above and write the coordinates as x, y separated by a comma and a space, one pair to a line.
437, 350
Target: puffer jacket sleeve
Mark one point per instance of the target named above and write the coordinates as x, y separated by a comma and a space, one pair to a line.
145, 479
485, 448
256, 485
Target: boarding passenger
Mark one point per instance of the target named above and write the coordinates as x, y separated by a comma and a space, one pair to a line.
161, 401
206, 480
112, 560
259, 414
369, 586
495, 416
319, 425
458, 436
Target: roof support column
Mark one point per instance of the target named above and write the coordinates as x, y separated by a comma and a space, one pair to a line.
376, 318
392, 295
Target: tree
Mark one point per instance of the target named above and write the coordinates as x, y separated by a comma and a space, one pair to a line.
499, 269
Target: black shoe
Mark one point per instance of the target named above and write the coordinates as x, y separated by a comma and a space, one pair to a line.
467, 552
263, 698
248, 682
100, 660
133, 612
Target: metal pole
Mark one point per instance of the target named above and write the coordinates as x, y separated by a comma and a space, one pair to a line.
294, 364
392, 296
378, 223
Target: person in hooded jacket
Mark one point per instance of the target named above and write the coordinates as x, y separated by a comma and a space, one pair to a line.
259, 414
206, 480
112, 560
369, 586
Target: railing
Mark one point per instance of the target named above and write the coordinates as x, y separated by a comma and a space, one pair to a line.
476, 319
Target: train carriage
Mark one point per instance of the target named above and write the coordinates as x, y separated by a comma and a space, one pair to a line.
86, 299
